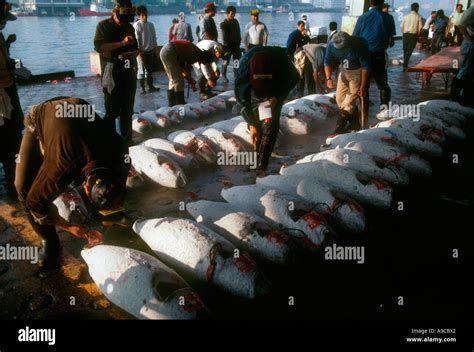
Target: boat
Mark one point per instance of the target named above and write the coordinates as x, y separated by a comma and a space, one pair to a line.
95, 9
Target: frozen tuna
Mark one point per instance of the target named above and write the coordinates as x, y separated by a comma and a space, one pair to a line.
157, 167
405, 140
361, 162
391, 155
343, 213
247, 231
141, 125
199, 146
176, 152
203, 254
142, 285
71, 207
371, 192
294, 213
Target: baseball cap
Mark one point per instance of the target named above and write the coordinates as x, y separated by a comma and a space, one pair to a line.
210, 6
254, 11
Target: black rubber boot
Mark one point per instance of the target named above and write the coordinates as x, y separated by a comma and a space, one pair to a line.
342, 122
142, 86
180, 98
354, 121
49, 258
151, 87
224, 74
456, 89
171, 97
385, 96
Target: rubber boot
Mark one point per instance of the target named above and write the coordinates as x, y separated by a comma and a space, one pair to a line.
180, 98
224, 74
171, 97
385, 96
342, 122
141, 81
151, 87
456, 89
354, 121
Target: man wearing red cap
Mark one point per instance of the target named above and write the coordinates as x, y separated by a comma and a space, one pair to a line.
264, 79
207, 25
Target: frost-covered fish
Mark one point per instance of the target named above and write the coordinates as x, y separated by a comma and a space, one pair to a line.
344, 214
174, 151
295, 214
203, 254
157, 167
245, 230
371, 192
199, 146
361, 162
142, 285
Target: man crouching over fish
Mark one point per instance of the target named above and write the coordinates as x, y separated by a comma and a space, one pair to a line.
60, 148
264, 79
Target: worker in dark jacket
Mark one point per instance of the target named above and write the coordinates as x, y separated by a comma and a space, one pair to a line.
296, 39
264, 79
66, 142
231, 38
115, 42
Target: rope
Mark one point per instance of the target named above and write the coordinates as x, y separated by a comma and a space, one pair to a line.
213, 252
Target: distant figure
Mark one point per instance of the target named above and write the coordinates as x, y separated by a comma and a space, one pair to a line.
296, 39
198, 28
182, 30
208, 29
411, 29
376, 27
455, 19
462, 87
427, 32
307, 26
256, 33
11, 114
147, 45
440, 30
171, 35
332, 30
231, 38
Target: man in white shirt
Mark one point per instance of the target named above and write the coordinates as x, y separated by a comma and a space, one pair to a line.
207, 73
146, 40
455, 19
256, 33
412, 26
307, 26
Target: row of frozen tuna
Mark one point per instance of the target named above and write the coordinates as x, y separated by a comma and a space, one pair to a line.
303, 205
166, 116
166, 162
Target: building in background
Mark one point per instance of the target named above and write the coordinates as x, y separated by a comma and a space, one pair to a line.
49, 7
